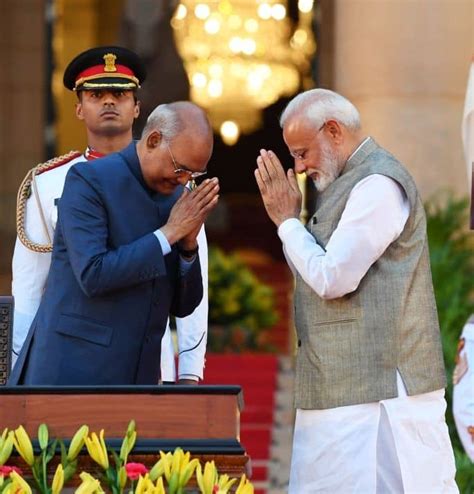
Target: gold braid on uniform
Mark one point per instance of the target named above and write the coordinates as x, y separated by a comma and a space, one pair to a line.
24, 192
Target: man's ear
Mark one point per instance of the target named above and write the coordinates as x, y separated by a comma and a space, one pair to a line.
334, 129
79, 114
136, 111
153, 139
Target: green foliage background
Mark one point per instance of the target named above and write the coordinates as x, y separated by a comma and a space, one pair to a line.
241, 308
452, 265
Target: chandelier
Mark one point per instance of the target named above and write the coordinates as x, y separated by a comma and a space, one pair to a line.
241, 56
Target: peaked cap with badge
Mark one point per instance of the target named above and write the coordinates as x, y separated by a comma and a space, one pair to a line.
105, 67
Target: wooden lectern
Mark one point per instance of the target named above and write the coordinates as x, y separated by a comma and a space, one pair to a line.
204, 420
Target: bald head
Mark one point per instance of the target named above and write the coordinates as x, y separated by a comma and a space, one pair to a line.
176, 144
171, 119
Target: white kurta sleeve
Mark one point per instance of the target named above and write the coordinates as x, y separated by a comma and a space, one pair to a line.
374, 216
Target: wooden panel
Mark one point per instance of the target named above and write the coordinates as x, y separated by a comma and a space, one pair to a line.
165, 412
211, 416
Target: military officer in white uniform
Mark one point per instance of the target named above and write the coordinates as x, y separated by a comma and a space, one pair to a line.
106, 80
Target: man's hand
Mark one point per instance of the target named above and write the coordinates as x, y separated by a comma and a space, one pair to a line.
280, 193
189, 213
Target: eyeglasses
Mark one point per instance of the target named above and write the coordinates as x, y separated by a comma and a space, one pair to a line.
301, 155
184, 171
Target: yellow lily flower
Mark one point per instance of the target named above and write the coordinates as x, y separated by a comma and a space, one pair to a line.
157, 470
208, 480
3, 437
173, 483
141, 484
176, 460
20, 484
77, 442
166, 458
58, 480
245, 487
97, 450
23, 445
187, 470
6, 448
145, 486
128, 442
160, 488
122, 476
225, 484
89, 485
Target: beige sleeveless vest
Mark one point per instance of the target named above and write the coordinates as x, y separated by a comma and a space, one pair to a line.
350, 348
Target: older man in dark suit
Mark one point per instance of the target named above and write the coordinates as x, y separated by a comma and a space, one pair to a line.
124, 257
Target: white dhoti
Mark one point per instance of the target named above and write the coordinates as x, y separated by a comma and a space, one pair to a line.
400, 445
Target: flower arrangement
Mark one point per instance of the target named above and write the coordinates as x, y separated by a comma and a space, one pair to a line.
239, 304
170, 474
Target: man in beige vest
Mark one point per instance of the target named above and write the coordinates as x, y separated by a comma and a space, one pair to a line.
369, 386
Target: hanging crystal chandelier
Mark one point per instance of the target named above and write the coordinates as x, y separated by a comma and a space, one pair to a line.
241, 56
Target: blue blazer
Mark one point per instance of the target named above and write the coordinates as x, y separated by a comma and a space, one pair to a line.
110, 289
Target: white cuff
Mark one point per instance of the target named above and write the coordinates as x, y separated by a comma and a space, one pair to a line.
287, 227
165, 245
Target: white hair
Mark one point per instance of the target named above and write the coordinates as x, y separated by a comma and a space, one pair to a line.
166, 119
321, 105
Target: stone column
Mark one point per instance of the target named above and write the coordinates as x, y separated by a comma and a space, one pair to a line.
404, 63
22, 98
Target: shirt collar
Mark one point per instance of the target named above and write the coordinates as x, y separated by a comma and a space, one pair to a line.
359, 147
92, 154
131, 158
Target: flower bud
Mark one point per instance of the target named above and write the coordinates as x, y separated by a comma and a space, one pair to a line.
77, 442
7, 448
58, 480
23, 445
43, 436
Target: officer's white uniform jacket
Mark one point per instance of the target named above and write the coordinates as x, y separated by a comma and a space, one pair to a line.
463, 391
30, 271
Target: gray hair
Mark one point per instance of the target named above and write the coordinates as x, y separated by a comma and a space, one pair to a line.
166, 119
321, 105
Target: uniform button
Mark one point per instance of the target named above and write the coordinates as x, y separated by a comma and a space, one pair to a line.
299, 342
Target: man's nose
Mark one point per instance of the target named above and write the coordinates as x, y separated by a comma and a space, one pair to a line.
108, 99
300, 167
183, 179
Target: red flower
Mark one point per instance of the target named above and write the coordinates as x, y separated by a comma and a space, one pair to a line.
134, 470
5, 470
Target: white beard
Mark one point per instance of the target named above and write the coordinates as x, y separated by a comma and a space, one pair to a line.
329, 169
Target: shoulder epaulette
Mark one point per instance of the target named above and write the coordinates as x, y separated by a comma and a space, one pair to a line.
56, 162
24, 193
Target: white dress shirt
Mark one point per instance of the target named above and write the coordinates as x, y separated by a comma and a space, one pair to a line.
375, 214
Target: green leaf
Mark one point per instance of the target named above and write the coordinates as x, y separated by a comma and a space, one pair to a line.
51, 451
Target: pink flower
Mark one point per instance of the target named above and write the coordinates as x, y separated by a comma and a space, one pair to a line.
134, 470
5, 470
